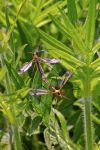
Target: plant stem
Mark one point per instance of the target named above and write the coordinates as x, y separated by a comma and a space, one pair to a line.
88, 116
17, 138
88, 125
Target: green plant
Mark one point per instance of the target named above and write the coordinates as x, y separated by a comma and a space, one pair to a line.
25, 118
78, 57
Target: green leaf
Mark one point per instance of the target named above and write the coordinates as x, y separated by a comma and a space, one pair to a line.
37, 81
96, 48
63, 125
8, 112
45, 106
52, 41
50, 9
14, 23
72, 12
27, 33
2, 73
96, 64
60, 27
47, 138
17, 80
62, 131
20, 52
65, 56
96, 119
22, 93
35, 123
78, 126
37, 11
73, 32
91, 18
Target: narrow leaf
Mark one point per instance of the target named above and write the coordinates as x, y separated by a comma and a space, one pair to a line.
91, 18
57, 44
17, 80
16, 18
73, 32
51, 9
2, 73
96, 48
96, 63
66, 56
72, 12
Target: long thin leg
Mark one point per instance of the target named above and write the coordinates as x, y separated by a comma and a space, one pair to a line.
67, 77
43, 75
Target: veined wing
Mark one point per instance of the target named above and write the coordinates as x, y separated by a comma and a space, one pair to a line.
39, 92
25, 67
50, 61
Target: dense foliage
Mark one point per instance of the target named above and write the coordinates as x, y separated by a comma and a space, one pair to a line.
67, 30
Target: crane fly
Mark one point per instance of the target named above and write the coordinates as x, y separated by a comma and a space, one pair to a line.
36, 59
39, 92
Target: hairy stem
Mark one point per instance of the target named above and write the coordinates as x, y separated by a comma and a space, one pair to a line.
88, 115
88, 124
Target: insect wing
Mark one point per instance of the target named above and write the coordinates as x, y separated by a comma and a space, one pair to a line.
50, 61
39, 92
25, 67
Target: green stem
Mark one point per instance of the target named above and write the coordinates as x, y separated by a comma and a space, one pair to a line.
88, 116
17, 143
88, 125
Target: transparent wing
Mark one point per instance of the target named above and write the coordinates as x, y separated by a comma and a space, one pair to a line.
39, 92
25, 67
50, 61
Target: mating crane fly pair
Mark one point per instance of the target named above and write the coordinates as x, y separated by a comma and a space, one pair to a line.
38, 92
